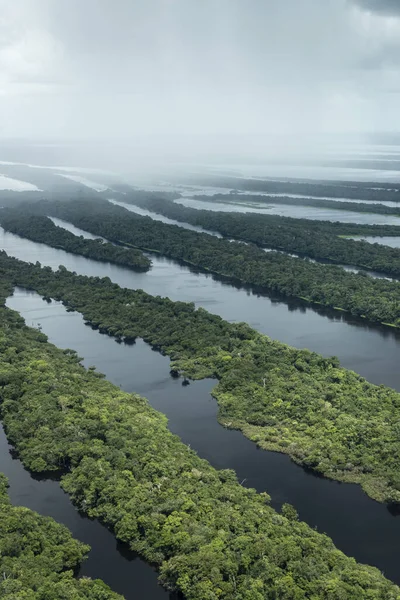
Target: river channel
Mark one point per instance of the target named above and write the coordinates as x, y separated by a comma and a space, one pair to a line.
295, 211
359, 526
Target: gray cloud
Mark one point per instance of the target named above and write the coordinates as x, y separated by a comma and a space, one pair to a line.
384, 7
106, 68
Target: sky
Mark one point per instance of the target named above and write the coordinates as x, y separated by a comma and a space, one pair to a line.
91, 69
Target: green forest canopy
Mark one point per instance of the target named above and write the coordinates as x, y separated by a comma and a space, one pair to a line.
41, 229
307, 238
37, 555
293, 401
376, 300
210, 537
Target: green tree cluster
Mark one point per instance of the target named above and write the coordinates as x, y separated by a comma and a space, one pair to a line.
306, 238
294, 401
38, 556
210, 537
376, 300
41, 229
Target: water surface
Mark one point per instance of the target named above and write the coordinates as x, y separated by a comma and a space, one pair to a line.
371, 350
393, 242
359, 526
297, 212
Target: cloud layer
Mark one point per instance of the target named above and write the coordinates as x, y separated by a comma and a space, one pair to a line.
385, 7
100, 68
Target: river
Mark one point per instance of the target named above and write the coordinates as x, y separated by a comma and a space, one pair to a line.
289, 210
358, 525
371, 350
109, 560
158, 217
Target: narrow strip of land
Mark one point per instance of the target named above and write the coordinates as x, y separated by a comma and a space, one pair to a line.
38, 556
249, 200
306, 238
41, 229
375, 300
209, 536
293, 401
352, 190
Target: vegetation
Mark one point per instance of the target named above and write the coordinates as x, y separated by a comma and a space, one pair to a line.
281, 233
368, 191
211, 537
293, 401
40, 228
374, 299
37, 555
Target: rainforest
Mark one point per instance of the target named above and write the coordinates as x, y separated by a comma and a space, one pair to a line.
199, 300
209, 535
375, 300
294, 401
312, 239
41, 229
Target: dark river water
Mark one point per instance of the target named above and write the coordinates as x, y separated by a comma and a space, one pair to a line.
370, 350
359, 526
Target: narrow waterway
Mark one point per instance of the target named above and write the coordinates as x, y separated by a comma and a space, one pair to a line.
359, 526
157, 217
393, 242
288, 210
371, 350
108, 560
75, 230
188, 191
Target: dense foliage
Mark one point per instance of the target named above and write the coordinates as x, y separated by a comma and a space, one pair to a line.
353, 190
374, 299
284, 399
25, 199
37, 555
40, 228
280, 233
211, 537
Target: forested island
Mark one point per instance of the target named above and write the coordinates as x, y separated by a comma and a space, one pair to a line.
375, 300
293, 401
38, 557
210, 536
41, 229
352, 190
301, 236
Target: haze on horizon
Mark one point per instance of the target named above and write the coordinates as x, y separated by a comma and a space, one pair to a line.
210, 69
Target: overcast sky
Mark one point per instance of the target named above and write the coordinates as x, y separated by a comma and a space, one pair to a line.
91, 68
